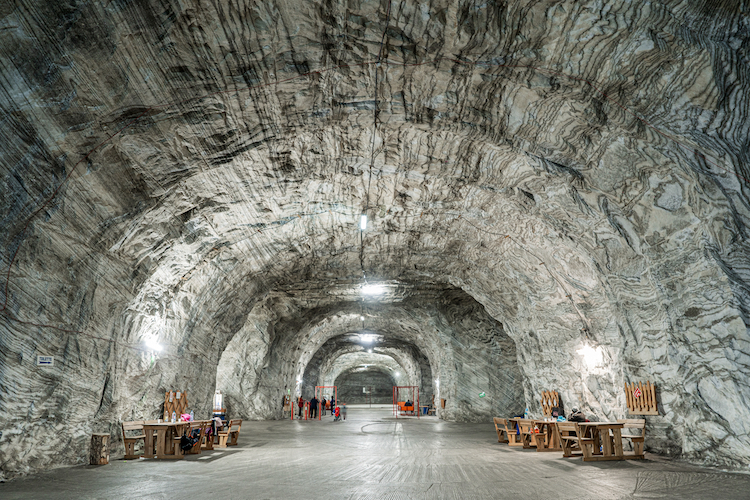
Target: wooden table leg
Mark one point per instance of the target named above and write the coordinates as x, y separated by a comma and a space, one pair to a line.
590, 449
161, 435
597, 441
554, 438
617, 437
606, 442
148, 443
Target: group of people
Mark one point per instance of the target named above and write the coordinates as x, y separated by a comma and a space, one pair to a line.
337, 411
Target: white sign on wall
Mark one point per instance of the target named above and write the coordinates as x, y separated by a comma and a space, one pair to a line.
45, 361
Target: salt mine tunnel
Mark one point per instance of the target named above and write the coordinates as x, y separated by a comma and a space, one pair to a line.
485, 200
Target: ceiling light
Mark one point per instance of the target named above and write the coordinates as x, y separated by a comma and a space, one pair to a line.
373, 289
369, 350
363, 222
361, 318
367, 339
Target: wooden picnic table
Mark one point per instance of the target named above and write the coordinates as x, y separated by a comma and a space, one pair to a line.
165, 445
611, 445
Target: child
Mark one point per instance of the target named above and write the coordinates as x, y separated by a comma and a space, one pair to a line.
337, 414
343, 410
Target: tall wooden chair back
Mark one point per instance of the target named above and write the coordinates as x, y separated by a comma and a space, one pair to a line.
550, 399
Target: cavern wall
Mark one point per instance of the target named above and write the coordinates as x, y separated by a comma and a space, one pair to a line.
572, 166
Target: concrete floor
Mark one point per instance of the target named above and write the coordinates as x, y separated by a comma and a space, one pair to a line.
374, 456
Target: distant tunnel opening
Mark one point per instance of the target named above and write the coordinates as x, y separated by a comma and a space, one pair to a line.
365, 385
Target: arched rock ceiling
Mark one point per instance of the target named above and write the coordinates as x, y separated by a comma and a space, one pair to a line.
362, 362
568, 164
383, 369
338, 354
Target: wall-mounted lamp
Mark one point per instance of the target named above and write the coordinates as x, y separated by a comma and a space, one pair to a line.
363, 222
152, 344
373, 289
592, 356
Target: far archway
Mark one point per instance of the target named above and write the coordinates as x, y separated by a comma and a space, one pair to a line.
366, 385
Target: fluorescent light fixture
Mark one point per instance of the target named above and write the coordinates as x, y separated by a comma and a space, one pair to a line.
366, 338
373, 289
152, 344
592, 357
363, 222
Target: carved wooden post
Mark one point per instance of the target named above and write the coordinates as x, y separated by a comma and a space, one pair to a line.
99, 454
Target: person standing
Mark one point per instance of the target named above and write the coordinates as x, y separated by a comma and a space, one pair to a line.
300, 403
323, 406
343, 410
333, 405
314, 407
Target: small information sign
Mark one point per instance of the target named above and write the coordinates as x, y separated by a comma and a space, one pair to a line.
45, 361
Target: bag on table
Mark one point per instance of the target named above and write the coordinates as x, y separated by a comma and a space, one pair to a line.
576, 416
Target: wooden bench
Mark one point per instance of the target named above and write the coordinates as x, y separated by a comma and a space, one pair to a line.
638, 439
132, 432
502, 432
229, 436
572, 441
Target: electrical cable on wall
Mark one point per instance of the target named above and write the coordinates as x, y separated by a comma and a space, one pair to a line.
365, 211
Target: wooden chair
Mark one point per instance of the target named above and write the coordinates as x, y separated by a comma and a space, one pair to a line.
132, 432
526, 435
201, 426
502, 432
573, 443
638, 439
207, 440
229, 436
